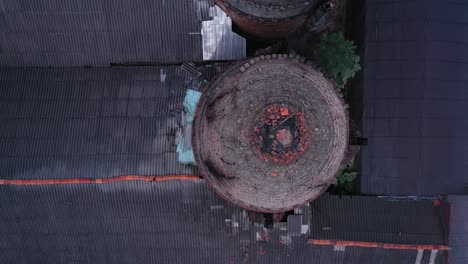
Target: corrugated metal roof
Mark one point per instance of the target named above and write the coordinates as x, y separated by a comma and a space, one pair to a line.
373, 219
91, 123
458, 229
353, 255
219, 41
191, 68
100, 32
166, 222
171, 222
415, 74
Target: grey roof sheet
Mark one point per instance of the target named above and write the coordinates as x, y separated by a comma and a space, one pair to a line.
91, 123
100, 32
415, 70
219, 42
165, 222
354, 255
381, 220
172, 222
458, 229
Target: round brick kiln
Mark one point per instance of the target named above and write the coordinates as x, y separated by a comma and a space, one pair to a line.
270, 133
268, 18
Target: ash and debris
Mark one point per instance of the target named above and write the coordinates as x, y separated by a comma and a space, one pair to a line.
280, 135
259, 243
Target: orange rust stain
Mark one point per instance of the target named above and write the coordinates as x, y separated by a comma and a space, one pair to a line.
377, 245
100, 181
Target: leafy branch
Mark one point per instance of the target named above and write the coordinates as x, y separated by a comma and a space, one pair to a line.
337, 58
345, 182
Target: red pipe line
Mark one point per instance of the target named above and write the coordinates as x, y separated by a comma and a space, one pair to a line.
101, 180
346, 243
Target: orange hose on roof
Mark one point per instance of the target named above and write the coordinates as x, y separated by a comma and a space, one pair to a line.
347, 243
100, 180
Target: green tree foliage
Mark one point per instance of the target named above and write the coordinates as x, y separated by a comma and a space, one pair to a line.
337, 58
345, 181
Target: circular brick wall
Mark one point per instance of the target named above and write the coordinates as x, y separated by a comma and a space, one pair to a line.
270, 133
268, 18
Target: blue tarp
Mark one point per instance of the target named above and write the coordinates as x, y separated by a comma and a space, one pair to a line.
190, 105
